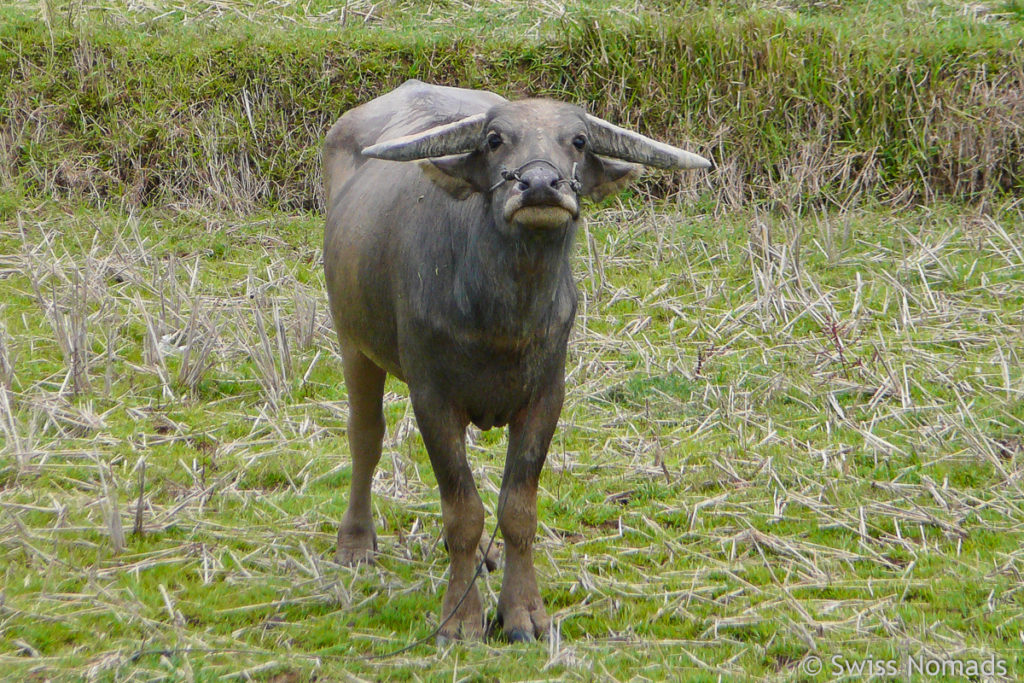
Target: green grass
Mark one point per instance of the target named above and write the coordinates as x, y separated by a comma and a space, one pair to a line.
802, 107
761, 455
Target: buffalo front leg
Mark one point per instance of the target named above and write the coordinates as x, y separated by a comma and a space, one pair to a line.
443, 430
520, 608
364, 380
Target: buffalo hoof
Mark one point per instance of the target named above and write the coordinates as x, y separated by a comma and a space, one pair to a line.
356, 548
350, 557
466, 629
522, 625
467, 622
446, 637
518, 635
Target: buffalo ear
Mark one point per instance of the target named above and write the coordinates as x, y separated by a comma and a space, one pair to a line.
603, 176
458, 174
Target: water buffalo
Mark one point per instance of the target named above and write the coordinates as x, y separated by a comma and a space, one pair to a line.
450, 218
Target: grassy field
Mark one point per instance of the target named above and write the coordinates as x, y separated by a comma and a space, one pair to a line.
795, 416
804, 107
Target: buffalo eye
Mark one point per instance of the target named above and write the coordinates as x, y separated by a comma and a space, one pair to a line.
579, 142
494, 141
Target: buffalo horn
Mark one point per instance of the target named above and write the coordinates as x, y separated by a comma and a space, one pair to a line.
456, 137
610, 140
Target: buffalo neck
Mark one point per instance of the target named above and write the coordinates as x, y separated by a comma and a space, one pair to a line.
515, 282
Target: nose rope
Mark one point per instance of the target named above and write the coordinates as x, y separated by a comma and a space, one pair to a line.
506, 175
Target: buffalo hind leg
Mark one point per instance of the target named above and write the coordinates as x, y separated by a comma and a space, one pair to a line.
521, 610
444, 434
364, 380
490, 553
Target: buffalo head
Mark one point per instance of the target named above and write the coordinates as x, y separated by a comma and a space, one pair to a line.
533, 159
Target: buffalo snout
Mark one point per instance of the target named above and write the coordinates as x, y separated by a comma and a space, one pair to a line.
541, 197
540, 185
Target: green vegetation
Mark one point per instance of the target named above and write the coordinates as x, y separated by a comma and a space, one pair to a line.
804, 109
782, 436
794, 423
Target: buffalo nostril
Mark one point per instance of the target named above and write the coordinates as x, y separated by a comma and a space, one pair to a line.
539, 182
